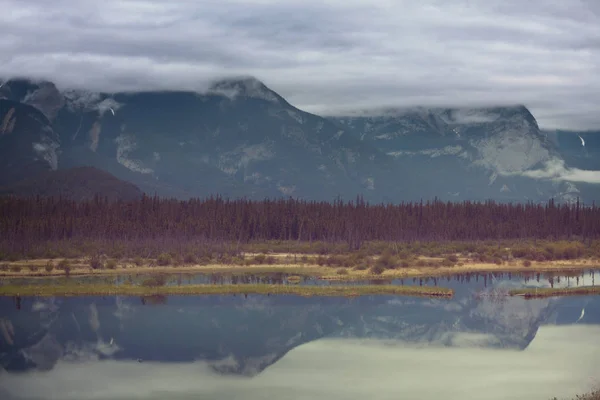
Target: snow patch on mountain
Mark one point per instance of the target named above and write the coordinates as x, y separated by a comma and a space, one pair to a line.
108, 104
231, 162
46, 98
83, 100
286, 190
47, 149
257, 178
295, 116
433, 153
510, 151
369, 183
125, 145
94, 135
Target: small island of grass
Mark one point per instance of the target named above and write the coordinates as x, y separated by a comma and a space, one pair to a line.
553, 292
73, 289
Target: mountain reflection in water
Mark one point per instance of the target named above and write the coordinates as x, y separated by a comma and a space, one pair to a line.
470, 346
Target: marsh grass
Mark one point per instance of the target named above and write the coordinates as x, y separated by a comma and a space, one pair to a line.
73, 289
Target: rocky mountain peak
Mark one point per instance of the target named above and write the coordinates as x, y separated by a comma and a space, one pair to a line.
40, 94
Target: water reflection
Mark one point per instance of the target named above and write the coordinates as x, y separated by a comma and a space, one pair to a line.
296, 347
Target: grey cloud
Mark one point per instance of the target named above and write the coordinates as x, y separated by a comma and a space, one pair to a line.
324, 57
556, 169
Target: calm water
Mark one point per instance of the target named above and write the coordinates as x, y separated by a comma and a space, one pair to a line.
478, 345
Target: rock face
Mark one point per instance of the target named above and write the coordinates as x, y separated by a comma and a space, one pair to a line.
28, 142
240, 138
466, 153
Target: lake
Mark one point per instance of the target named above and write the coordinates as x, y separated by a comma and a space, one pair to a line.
480, 344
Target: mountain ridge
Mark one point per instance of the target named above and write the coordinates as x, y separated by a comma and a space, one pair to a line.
242, 139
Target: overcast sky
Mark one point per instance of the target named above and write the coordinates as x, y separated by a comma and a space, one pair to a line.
323, 56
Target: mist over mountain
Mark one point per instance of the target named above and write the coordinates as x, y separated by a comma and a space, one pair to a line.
241, 139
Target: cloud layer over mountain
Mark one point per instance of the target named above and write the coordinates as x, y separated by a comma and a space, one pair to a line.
325, 57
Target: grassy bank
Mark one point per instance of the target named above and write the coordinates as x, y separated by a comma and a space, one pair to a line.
551, 292
285, 264
341, 268
141, 290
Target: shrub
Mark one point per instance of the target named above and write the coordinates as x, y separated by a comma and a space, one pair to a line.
386, 260
238, 261
49, 267
260, 258
341, 271
33, 268
190, 258
111, 264
164, 259
4, 267
63, 264
527, 263
361, 267
139, 261
453, 258
377, 269
405, 264
333, 261
270, 260
96, 262
447, 263
498, 261
15, 268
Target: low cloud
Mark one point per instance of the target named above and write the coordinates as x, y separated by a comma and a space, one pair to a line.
556, 169
325, 57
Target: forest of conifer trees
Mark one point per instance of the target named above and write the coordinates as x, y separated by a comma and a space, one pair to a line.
31, 220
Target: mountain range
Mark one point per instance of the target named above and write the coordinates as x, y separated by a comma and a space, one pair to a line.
241, 139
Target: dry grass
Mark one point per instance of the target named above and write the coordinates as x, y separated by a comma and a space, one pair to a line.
297, 264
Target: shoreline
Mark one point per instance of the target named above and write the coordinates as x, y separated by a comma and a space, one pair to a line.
78, 268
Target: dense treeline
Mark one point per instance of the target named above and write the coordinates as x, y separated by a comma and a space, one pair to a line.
31, 220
